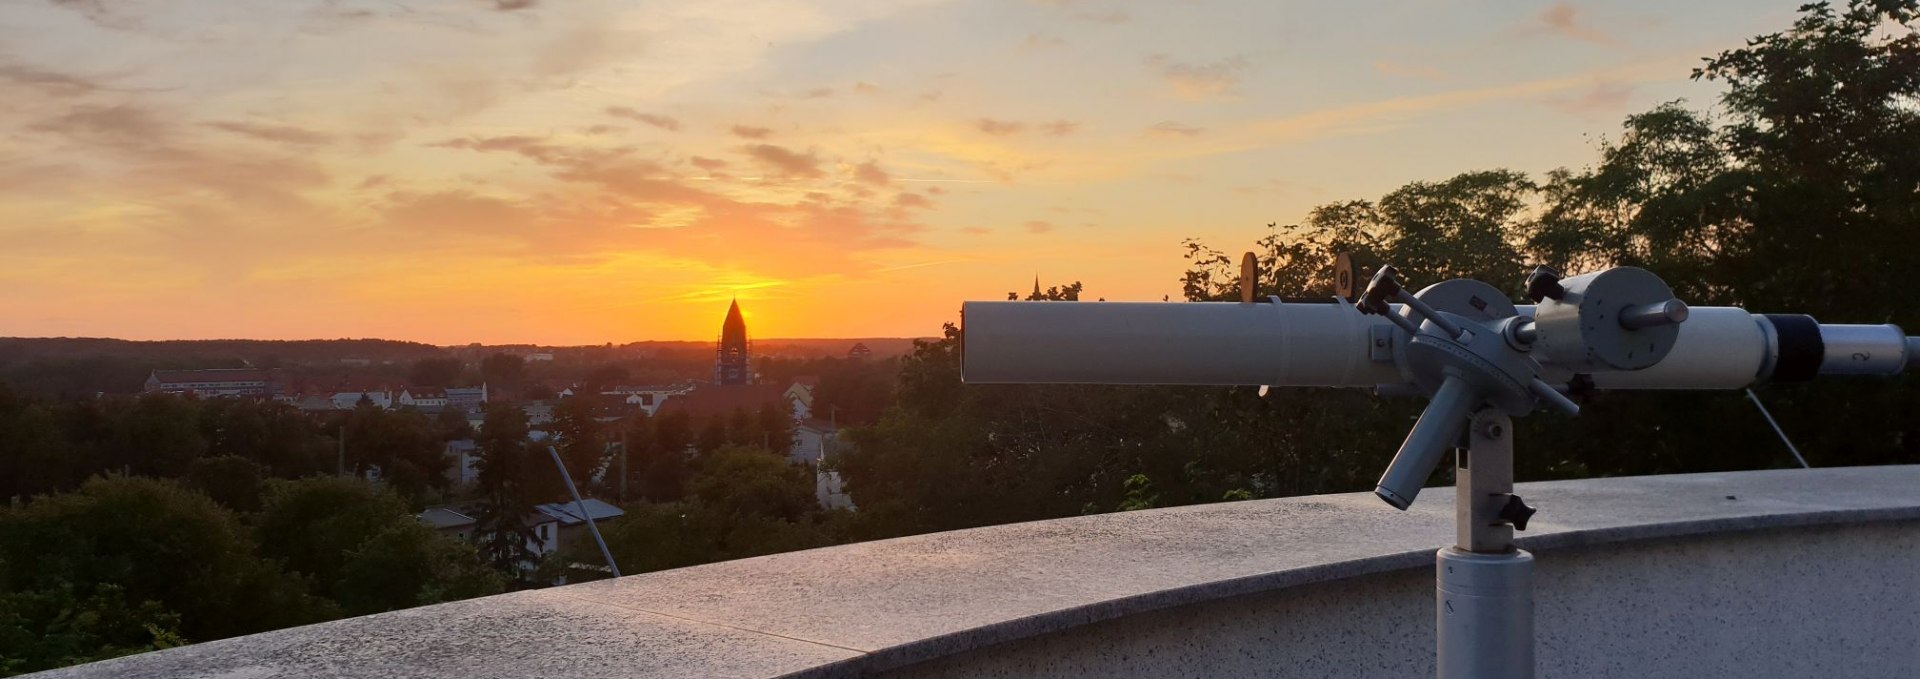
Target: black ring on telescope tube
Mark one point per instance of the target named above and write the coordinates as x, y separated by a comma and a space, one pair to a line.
1799, 345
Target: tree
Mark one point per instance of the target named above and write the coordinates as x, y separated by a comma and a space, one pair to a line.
507, 469
435, 372
230, 480
503, 369
579, 438
136, 540
311, 525
407, 565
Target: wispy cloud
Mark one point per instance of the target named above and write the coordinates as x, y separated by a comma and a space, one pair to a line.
1168, 128
1199, 81
999, 128
786, 162
656, 120
751, 132
1563, 19
1604, 96
1407, 70
284, 134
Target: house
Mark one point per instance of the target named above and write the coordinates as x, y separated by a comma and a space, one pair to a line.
541, 356
448, 522
215, 382
467, 398
646, 398
464, 456
348, 400
859, 352
800, 396
423, 398
572, 525
830, 492
812, 440
538, 413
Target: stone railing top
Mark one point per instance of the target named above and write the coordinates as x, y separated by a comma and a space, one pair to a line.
864, 607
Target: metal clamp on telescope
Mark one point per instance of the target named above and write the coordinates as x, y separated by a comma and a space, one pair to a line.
1467, 346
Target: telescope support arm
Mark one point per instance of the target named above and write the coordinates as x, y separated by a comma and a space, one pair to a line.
1484, 593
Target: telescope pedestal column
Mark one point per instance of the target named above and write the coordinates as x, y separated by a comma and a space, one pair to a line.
1484, 585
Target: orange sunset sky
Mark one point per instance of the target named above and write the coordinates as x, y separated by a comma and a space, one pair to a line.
591, 171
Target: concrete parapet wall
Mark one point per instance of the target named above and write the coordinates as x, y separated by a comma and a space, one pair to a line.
1748, 574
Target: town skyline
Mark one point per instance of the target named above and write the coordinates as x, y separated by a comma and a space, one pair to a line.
455, 171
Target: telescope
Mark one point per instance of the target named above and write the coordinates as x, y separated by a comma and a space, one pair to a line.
1477, 356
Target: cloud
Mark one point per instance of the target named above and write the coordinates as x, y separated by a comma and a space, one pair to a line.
104, 13
121, 124
999, 128
906, 201
1603, 96
1405, 70
785, 162
455, 212
1168, 128
660, 121
50, 82
1035, 42
976, 230
536, 149
513, 5
864, 87
1037, 226
1200, 81
284, 134
1563, 19
708, 164
1059, 128
752, 132
870, 173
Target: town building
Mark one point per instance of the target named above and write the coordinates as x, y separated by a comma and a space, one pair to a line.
470, 399
732, 357
423, 398
572, 525
645, 398
859, 352
214, 382
800, 396
812, 441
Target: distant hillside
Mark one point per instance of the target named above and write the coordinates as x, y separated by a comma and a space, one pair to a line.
82, 366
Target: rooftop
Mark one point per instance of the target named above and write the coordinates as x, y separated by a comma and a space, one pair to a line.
883, 605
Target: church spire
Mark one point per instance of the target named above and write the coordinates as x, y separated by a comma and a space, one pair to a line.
1036, 287
731, 360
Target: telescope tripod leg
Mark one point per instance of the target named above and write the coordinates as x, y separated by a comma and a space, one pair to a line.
1484, 585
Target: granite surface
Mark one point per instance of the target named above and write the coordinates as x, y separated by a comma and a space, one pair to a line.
866, 607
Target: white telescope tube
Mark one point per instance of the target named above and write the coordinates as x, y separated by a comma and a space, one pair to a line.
1331, 345
1199, 343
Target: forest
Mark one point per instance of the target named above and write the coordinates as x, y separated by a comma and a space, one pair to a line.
144, 523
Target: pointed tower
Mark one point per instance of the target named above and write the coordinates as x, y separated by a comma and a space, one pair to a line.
1036, 287
731, 361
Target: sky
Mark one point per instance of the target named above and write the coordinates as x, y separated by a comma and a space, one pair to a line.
591, 171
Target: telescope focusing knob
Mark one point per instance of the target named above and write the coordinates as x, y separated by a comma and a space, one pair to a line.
1544, 283
1516, 512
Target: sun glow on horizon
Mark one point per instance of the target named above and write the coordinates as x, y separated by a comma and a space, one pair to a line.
595, 171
